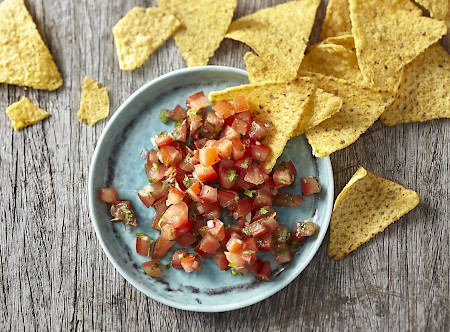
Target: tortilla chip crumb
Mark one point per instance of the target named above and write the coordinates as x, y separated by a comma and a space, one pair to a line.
365, 207
24, 113
94, 102
24, 58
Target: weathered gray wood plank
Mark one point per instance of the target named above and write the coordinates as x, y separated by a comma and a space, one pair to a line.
54, 275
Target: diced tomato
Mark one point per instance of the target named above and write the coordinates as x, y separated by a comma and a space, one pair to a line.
209, 156
230, 133
178, 113
261, 270
152, 157
177, 256
242, 165
145, 196
176, 215
282, 178
194, 121
223, 109
220, 260
202, 254
260, 152
262, 198
209, 244
257, 229
122, 211
158, 190
208, 194
160, 208
217, 230
227, 198
175, 196
242, 184
186, 239
204, 173
228, 176
168, 155
306, 229
194, 190
163, 139
241, 104
265, 242
143, 244
238, 149
211, 210
191, 263
240, 126
243, 206
234, 244
309, 186
213, 122
256, 175
153, 268
248, 255
245, 116
161, 247
108, 195
262, 212
168, 232
197, 101
180, 132
269, 223
189, 226
224, 147
234, 259
250, 244
290, 200
188, 163
281, 234
155, 172
282, 252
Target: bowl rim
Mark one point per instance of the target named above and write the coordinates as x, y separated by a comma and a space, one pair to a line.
124, 272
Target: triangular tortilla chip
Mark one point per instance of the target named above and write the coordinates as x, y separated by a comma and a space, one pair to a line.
282, 104
365, 207
24, 58
205, 23
333, 60
361, 107
25, 113
140, 32
437, 8
337, 20
94, 102
259, 72
321, 106
279, 34
388, 38
424, 91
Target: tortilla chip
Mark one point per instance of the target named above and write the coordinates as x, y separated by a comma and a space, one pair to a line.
361, 107
423, 94
333, 60
321, 106
94, 102
205, 23
388, 38
279, 34
24, 58
259, 72
24, 113
282, 103
337, 20
437, 8
365, 207
140, 32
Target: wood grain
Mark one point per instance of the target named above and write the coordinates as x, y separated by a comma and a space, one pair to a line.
54, 275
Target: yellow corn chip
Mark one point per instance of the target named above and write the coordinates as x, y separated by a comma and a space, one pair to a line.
365, 207
24, 58
94, 102
321, 106
337, 20
259, 72
437, 8
205, 23
424, 91
361, 107
25, 113
282, 104
388, 38
346, 41
278, 34
140, 32
333, 60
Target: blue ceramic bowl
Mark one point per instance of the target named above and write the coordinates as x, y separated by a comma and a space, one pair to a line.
117, 162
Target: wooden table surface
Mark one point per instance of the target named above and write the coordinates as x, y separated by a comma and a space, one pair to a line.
55, 276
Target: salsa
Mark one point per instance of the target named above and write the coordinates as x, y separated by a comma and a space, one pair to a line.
212, 196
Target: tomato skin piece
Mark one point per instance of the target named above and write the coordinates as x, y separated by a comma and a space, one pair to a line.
220, 260
309, 186
176, 215
152, 268
108, 195
241, 104
161, 247
186, 240
177, 256
191, 263
143, 245
178, 113
223, 109
290, 200
209, 244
